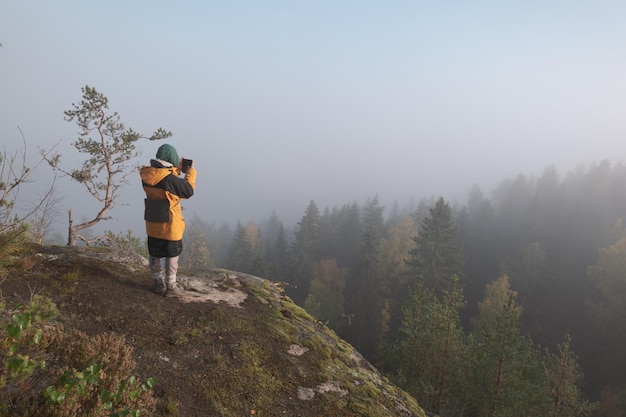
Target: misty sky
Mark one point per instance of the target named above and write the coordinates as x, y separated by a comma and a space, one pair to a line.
281, 102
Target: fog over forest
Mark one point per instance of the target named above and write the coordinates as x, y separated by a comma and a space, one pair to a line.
355, 127
281, 103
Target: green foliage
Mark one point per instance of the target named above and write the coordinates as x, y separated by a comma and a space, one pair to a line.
74, 384
108, 153
34, 352
13, 227
22, 349
196, 255
326, 299
16, 364
275, 248
498, 372
171, 408
543, 232
42, 309
126, 242
506, 374
179, 339
432, 356
245, 253
562, 377
70, 277
437, 255
608, 307
13, 240
364, 297
497, 294
305, 251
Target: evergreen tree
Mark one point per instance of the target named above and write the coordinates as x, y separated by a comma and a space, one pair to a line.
431, 358
479, 247
507, 378
496, 295
196, 255
326, 300
437, 255
394, 248
109, 147
562, 376
275, 248
606, 307
327, 232
364, 300
547, 211
240, 253
305, 251
395, 216
512, 201
245, 252
220, 241
347, 238
528, 271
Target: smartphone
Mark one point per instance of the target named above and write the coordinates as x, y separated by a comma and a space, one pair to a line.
186, 164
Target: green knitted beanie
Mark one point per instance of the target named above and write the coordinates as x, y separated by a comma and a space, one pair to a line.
168, 153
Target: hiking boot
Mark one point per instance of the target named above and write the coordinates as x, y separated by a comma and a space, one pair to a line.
159, 286
172, 291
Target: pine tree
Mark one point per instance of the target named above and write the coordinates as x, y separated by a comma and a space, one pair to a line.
562, 376
479, 246
325, 300
496, 296
347, 237
606, 307
108, 152
507, 377
275, 248
437, 255
305, 252
196, 254
394, 248
364, 289
245, 252
432, 354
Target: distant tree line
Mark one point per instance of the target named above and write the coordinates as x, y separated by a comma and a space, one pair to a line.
540, 263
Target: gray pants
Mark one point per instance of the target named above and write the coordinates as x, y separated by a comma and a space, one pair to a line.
171, 266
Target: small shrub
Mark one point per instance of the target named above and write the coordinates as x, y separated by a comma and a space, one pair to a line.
171, 408
42, 309
179, 339
26, 261
95, 378
48, 372
13, 240
195, 332
127, 242
24, 338
70, 277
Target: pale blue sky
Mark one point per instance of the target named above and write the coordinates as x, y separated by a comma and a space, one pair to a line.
280, 102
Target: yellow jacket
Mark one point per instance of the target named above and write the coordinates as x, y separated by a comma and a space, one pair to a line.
164, 190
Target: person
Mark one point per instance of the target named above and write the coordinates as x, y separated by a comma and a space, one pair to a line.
165, 224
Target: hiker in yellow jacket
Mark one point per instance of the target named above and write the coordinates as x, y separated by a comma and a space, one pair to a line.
165, 224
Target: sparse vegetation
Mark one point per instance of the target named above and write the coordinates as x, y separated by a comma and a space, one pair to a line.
43, 369
14, 173
226, 361
126, 242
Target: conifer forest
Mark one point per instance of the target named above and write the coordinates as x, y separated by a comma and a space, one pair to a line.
515, 300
